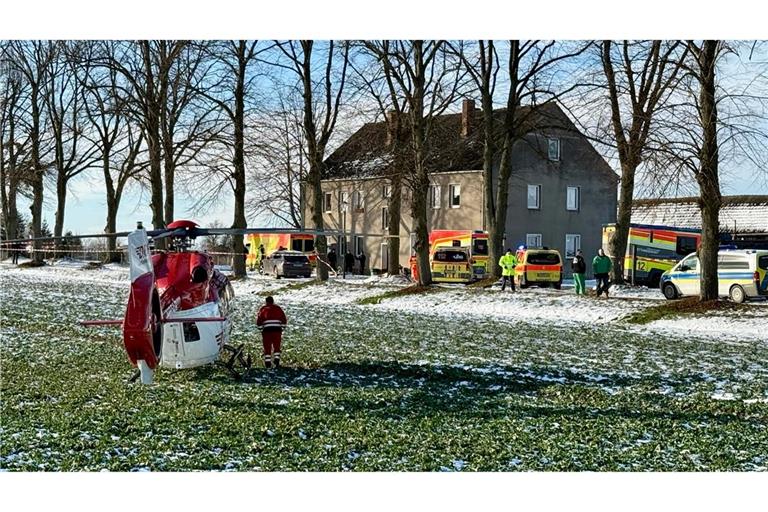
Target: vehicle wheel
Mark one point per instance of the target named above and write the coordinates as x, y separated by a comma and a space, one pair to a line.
738, 295
557, 286
654, 279
670, 292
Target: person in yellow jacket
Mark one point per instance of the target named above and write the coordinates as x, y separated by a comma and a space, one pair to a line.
508, 262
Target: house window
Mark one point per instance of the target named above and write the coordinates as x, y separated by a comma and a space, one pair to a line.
553, 149
573, 199
358, 199
534, 197
572, 244
434, 197
327, 202
533, 240
385, 219
359, 244
454, 193
386, 191
344, 203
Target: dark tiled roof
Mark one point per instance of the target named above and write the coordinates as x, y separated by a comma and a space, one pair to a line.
745, 214
366, 153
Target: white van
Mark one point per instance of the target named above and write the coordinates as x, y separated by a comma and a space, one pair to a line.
741, 274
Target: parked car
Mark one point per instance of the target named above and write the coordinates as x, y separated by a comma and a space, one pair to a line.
539, 267
741, 275
287, 264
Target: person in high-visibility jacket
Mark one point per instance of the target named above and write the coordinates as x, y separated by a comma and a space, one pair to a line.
271, 320
508, 262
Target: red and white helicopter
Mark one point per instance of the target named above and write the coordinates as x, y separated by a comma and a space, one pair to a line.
178, 306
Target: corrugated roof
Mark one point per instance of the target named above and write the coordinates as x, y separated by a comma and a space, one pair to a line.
743, 214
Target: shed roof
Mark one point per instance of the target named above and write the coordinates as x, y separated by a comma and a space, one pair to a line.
742, 214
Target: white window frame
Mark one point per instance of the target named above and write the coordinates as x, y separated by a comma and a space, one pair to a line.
327, 202
568, 205
576, 237
386, 192
553, 142
452, 188
435, 197
385, 218
537, 206
537, 237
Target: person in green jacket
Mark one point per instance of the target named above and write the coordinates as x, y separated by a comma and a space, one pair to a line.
601, 266
508, 262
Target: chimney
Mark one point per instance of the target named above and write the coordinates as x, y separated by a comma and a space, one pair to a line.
467, 117
391, 126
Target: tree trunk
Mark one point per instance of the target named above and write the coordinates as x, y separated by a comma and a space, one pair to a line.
238, 260
61, 203
169, 171
618, 244
395, 208
152, 119
37, 175
707, 176
499, 222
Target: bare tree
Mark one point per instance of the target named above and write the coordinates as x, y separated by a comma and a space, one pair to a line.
425, 76
188, 121
377, 83
73, 152
33, 60
114, 132
279, 165
531, 71
319, 117
638, 77
235, 61
14, 141
146, 68
714, 120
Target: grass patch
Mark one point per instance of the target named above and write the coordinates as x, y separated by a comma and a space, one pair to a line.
401, 292
687, 306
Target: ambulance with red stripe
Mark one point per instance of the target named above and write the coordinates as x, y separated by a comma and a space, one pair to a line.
302, 242
656, 249
539, 267
448, 265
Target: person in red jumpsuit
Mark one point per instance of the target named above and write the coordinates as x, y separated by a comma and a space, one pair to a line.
271, 320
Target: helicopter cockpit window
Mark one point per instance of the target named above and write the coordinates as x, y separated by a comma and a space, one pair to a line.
191, 333
199, 275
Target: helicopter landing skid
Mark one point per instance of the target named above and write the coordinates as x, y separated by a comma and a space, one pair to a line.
235, 355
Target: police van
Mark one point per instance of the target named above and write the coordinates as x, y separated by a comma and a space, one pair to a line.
741, 274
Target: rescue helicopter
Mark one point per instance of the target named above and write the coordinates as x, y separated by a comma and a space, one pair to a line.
177, 315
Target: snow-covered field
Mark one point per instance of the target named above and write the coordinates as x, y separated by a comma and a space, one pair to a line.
457, 379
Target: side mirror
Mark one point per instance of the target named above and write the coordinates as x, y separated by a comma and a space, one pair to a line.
684, 268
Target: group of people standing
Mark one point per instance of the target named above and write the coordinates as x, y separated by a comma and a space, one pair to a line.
348, 261
601, 267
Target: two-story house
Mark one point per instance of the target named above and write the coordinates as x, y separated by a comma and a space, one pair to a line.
560, 193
